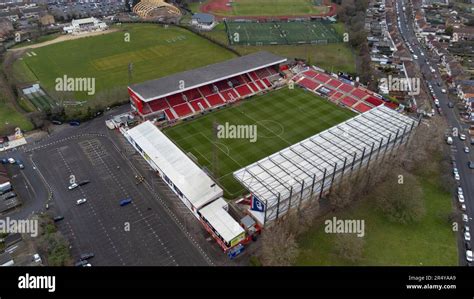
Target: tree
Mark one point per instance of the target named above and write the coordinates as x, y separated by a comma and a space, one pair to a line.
279, 246
449, 30
349, 247
400, 198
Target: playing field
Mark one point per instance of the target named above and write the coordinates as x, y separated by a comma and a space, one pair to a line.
154, 52
282, 118
281, 33
265, 7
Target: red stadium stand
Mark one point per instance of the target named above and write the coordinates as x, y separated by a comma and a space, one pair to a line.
196, 103
310, 73
243, 90
374, 101
254, 76
169, 114
348, 101
271, 71
158, 105
337, 95
206, 90
260, 84
391, 105
267, 82
253, 87
322, 78
245, 78
346, 88
359, 93
192, 94
183, 110
215, 100
310, 84
361, 107
334, 83
262, 73
230, 95
175, 99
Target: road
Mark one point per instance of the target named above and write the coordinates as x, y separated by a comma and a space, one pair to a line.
426, 59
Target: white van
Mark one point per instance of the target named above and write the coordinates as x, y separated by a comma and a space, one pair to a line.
449, 140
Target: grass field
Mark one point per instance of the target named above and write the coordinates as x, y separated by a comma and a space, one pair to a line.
332, 57
280, 32
431, 242
155, 52
10, 117
272, 8
282, 118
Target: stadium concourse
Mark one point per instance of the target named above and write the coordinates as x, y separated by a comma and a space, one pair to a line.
193, 92
340, 91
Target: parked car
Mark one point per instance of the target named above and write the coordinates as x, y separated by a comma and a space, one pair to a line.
58, 218
56, 122
86, 256
11, 161
81, 263
461, 198
469, 257
460, 190
463, 207
75, 123
466, 150
462, 137
465, 218
470, 164
37, 258
125, 202
81, 201
467, 236
457, 177
73, 186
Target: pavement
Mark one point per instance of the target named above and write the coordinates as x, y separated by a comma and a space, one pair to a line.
453, 119
155, 229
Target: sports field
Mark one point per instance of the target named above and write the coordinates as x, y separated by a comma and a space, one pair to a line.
281, 33
265, 7
153, 50
282, 118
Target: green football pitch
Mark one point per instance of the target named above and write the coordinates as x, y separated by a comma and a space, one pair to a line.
273, 8
153, 50
282, 118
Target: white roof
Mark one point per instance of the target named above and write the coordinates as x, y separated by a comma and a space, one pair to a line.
221, 221
191, 180
84, 21
295, 166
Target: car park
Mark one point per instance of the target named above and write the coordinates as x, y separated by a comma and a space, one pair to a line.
81, 201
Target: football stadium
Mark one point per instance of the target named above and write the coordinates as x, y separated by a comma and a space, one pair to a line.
247, 32
314, 128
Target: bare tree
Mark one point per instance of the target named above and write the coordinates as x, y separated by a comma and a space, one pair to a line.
349, 247
279, 246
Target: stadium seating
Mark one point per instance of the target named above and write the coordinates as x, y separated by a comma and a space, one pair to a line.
359, 93
346, 88
192, 94
334, 83
206, 90
254, 76
267, 82
230, 95
196, 103
253, 87
183, 110
175, 99
243, 90
348, 101
310, 84
310, 73
262, 73
361, 107
260, 85
374, 101
322, 78
169, 115
158, 105
245, 78
215, 100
